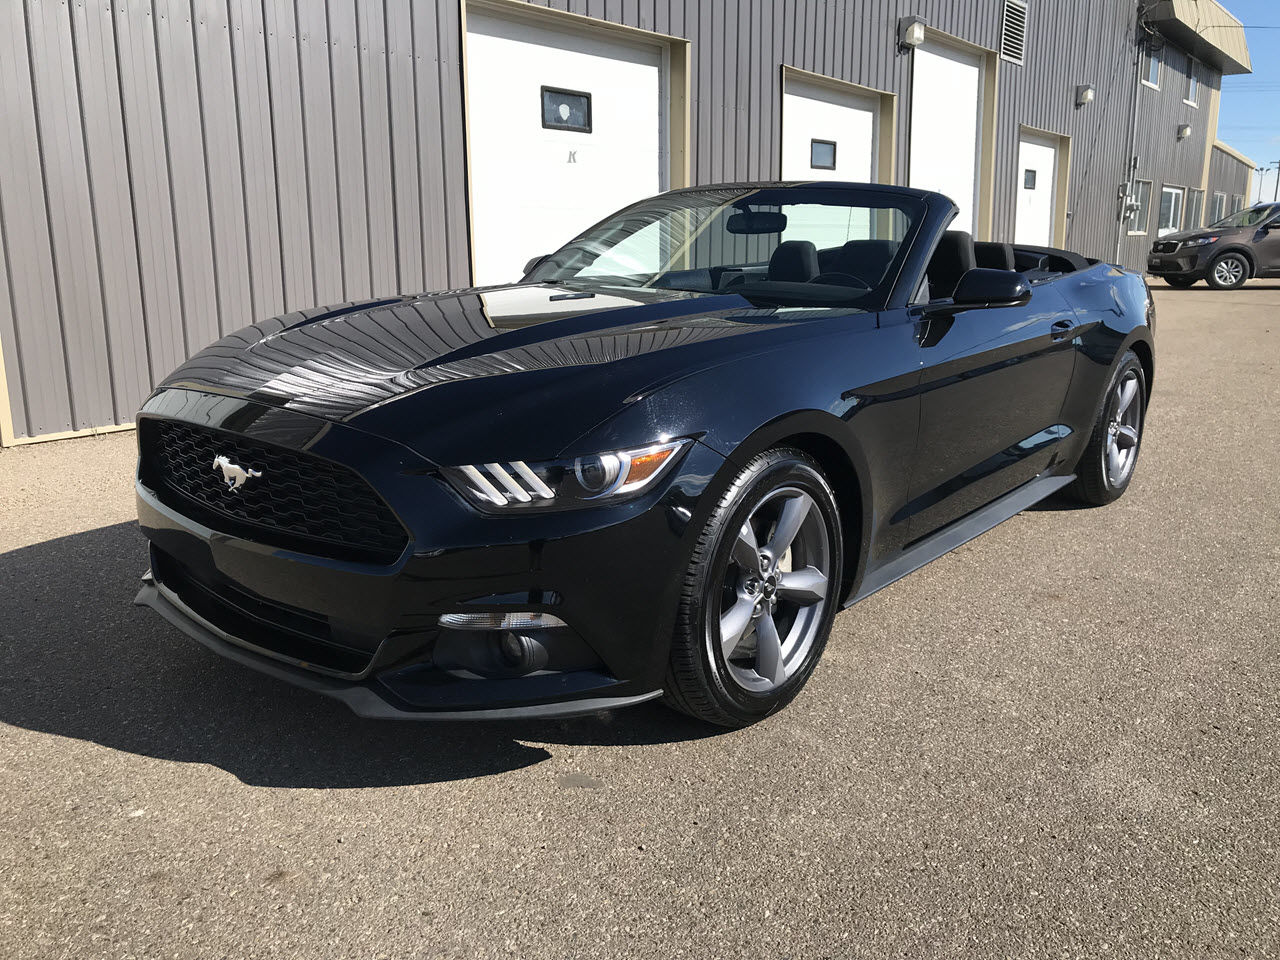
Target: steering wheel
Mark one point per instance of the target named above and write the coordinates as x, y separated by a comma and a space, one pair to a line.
841, 280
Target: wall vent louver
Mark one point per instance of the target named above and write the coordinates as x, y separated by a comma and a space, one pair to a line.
1013, 31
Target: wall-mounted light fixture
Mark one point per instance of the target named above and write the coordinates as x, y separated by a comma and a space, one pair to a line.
1085, 94
1184, 131
911, 32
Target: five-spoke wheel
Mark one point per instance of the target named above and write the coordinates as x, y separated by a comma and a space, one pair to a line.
774, 591
761, 593
1106, 467
1124, 429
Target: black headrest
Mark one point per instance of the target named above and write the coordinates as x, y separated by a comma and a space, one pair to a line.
951, 261
995, 256
795, 261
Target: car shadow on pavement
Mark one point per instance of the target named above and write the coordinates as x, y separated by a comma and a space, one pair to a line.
77, 659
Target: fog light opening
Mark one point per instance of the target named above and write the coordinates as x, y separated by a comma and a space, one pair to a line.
522, 653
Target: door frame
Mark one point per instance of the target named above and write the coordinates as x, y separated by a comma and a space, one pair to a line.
1062, 188
988, 111
886, 129
675, 82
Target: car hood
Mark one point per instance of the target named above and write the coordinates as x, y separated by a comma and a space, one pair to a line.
540, 363
1203, 232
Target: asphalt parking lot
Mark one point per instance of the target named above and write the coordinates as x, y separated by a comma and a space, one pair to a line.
1061, 740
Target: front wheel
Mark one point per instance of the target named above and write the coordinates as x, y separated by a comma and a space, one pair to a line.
760, 593
1228, 272
1106, 467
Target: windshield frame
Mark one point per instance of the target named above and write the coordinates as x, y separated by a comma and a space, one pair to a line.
712, 203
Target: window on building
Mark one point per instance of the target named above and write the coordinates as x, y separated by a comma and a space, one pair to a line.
1140, 207
1193, 83
1237, 203
1171, 202
1195, 209
1151, 71
1219, 207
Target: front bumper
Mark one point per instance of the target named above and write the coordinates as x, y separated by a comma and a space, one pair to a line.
368, 634
1183, 264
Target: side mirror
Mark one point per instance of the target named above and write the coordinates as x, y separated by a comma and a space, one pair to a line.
983, 287
533, 264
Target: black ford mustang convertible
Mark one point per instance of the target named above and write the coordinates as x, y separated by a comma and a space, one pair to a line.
657, 466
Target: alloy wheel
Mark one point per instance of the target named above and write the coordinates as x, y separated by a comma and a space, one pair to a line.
775, 591
1229, 271
1124, 430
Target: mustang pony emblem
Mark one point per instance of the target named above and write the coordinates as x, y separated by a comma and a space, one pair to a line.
234, 475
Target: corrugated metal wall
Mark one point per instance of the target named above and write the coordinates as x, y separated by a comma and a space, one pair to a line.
1230, 176
1162, 157
173, 170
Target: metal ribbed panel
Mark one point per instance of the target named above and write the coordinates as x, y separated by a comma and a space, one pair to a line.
173, 170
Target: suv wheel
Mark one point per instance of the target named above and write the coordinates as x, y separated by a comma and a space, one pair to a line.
1181, 283
1228, 272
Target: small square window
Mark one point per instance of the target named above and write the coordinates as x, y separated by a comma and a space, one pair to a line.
566, 110
822, 154
1028, 179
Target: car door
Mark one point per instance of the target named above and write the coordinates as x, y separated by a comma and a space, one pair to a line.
1266, 247
993, 385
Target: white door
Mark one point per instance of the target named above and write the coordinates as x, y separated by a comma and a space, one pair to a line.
1037, 191
946, 104
564, 128
827, 134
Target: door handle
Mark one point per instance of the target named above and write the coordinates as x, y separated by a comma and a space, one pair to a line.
1062, 329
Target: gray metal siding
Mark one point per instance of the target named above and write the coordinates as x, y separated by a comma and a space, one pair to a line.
171, 171
1228, 175
1162, 157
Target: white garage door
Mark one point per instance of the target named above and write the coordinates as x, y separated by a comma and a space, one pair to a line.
827, 134
563, 129
1037, 191
946, 96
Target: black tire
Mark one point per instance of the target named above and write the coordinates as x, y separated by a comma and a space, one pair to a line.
1094, 483
1181, 283
1228, 278
700, 680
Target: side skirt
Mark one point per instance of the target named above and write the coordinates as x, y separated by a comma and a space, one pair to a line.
960, 532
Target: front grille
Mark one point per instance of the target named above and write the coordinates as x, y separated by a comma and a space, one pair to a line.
1165, 246
299, 502
298, 635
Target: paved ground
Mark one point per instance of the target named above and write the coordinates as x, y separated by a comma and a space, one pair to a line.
1059, 741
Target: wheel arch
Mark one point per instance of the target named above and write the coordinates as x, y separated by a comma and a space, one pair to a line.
825, 438
1244, 252
1146, 356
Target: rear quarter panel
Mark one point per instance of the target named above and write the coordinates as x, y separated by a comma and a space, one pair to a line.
1112, 309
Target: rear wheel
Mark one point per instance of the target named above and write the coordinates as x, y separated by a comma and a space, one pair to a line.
760, 594
1106, 467
1182, 283
1228, 272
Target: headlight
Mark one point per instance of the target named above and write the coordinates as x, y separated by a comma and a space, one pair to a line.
1200, 241
516, 484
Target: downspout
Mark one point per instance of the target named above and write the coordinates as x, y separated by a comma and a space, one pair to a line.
1133, 137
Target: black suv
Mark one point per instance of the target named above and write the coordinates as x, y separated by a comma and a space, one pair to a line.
1225, 254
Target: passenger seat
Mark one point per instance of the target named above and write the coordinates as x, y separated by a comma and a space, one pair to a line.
794, 261
995, 256
951, 261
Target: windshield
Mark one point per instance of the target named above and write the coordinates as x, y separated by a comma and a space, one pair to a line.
1247, 218
811, 246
